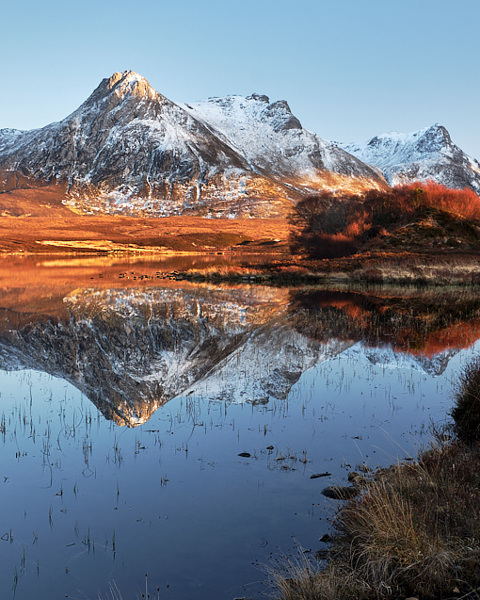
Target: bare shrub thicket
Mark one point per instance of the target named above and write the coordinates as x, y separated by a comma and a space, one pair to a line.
327, 225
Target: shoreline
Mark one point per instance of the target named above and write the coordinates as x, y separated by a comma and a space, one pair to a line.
409, 531
280, 269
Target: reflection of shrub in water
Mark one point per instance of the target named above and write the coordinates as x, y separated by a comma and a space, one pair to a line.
466, 412
418, 325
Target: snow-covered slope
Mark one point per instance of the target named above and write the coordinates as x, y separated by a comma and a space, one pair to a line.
427, 154
128, 149
272, 139
8, 136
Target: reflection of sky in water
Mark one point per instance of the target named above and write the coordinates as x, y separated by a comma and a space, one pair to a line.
173, 496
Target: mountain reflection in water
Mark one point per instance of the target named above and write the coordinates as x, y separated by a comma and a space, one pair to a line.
132, 349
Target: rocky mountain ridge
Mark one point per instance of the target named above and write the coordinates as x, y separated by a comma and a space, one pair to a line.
273, 140
130, 150
424, 155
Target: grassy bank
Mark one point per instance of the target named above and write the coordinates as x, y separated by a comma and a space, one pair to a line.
414, 529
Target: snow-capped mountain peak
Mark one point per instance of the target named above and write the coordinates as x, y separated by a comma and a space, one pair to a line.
415, 144
241, 110
426, 154
130, 83
121, 86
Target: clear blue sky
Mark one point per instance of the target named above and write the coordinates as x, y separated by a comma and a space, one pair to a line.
348, 68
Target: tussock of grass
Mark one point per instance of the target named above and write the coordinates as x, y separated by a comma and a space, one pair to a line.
466, 412
414, 531
297, 579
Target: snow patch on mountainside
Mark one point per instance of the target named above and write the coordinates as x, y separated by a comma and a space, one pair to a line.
8, 137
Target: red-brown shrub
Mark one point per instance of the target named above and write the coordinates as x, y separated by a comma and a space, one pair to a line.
326, 225
462, 203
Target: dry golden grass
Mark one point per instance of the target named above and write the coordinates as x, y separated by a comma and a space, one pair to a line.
35, 219
67, 233
297, 579
414, 531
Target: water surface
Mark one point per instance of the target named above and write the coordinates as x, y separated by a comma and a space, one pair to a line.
126, 400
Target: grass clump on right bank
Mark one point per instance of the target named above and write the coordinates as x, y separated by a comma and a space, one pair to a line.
414, 530
466, 413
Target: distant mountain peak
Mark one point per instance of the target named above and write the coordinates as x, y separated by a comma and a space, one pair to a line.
437, 135
426, 154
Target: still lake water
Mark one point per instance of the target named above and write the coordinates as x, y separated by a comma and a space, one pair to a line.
126, 399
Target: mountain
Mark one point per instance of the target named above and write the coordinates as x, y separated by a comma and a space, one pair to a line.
427, 154
127, 149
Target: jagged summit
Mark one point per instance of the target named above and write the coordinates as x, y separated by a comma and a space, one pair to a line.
120, 87
426, 154
125, 84
244, 108
260, 97
127, 77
